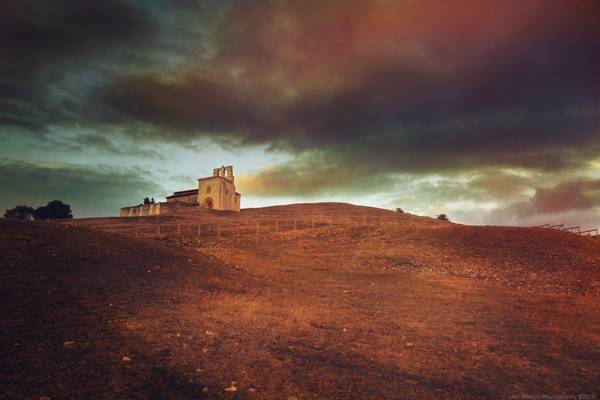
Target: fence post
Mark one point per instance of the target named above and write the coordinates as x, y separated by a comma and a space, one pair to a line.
199, 230
136, 232
218, 231
330, 222
295, 226
257, 228
276, 225
364, 219
313, 222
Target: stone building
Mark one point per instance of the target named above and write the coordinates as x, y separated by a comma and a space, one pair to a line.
216, 192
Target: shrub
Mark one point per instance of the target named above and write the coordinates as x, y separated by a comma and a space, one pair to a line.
399, 210
443, 217
20, 212
55, 209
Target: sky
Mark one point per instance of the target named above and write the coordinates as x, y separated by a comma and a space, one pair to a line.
487, 111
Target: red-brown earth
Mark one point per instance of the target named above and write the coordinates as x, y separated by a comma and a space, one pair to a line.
405, 307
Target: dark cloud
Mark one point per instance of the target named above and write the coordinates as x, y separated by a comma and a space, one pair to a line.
187, 109
366, 96
523, 93
102, 142
578, 195
42, 42
89, 191
455, 90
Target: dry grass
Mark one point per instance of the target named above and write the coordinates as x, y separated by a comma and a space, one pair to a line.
427, 311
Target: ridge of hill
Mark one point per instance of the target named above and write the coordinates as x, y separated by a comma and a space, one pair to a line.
296, 210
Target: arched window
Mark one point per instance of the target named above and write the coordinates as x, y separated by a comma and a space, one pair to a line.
208, 189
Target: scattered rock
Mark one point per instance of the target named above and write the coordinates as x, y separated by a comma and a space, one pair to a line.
205, 350
205, 389
409, 344
164, 352
232, 388
252, 391
69, 343
126, 359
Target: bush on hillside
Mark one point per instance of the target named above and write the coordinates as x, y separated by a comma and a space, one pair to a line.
55, 209
20, 212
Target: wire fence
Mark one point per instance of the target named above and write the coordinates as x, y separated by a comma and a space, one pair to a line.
243, 227
272, 223
573, 229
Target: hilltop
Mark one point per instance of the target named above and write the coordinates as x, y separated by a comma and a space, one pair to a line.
369, 303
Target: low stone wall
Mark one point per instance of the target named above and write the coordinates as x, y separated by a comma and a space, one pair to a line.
156, 209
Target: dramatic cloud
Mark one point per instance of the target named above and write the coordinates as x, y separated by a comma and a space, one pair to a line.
575, 195
508, 198
90, 192
423, 87
312, 176
187, 109
454, 104
44, 42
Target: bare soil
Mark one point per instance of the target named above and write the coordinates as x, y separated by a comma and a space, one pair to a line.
417, 310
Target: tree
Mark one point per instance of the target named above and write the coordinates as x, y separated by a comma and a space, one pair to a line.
443, 217
55, 209
20, 212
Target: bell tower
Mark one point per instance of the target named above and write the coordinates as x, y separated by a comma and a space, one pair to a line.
224, 172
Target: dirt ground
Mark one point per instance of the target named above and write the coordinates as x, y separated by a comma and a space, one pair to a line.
433, 311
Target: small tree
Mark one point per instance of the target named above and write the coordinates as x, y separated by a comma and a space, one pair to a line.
443, 217
399, 210
146, 201
55, 209
19, 212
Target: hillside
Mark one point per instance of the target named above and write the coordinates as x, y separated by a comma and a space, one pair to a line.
372, 304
